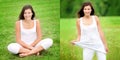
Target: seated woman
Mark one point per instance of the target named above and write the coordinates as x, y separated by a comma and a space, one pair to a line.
28, 35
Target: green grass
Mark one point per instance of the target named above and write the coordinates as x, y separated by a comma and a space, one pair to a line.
48, 13
68, 32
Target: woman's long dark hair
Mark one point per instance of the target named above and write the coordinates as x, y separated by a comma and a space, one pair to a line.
21, 16
81, 13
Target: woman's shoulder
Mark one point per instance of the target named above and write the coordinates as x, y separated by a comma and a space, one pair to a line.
18, 22
79, 19
96, 18
37, 21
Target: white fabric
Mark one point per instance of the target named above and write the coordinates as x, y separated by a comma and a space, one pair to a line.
89, 53
14, 48
90, 37
45, 43
28, 36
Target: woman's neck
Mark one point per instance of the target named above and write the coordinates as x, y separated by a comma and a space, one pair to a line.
87, 17
27, 21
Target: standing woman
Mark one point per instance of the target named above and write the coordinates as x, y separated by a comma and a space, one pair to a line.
90, 35
28, 35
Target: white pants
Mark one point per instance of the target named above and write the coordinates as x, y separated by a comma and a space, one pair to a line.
88, 54
15, 47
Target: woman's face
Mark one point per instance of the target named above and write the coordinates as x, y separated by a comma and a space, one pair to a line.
87, 10
28, 14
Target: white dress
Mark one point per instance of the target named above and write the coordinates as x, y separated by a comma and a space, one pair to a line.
90, 37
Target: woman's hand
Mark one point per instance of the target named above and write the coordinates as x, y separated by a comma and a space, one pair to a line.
30, 47
106, 49
73, 41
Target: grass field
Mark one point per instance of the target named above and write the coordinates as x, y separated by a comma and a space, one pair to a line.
111, 28
48, 11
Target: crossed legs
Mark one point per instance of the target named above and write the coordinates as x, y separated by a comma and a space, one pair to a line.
26, 52
16, 48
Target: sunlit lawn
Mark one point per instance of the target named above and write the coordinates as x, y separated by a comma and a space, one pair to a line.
46, 12
68, 32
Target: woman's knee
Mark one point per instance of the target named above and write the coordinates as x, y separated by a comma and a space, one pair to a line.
48, 42
13, 48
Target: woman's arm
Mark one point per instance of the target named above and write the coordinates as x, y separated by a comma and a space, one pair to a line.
18, 36
39, 35
101, 33
79, 31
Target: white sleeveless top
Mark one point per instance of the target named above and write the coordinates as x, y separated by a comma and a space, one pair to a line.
28, 35
90, 37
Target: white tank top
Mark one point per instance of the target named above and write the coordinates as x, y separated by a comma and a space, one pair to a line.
28, 35
90, 37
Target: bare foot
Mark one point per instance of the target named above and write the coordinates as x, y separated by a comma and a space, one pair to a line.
38, 54
23, 55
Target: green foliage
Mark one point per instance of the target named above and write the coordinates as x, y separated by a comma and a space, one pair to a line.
69, 8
